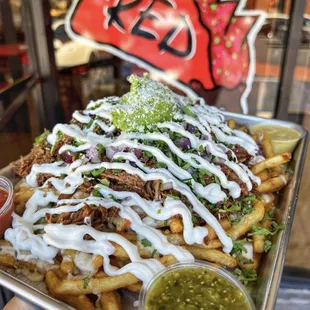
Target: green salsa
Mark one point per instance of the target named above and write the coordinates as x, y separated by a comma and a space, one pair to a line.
194, 289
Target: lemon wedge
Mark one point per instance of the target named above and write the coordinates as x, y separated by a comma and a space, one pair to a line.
283, 139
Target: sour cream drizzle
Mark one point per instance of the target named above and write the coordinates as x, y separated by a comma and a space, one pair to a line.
208, 120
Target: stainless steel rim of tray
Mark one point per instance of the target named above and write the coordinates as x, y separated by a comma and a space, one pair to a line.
272, 264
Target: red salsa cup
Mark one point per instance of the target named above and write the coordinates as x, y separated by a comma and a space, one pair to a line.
6, 204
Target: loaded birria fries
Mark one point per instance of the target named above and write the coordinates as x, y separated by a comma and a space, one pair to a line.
134, 184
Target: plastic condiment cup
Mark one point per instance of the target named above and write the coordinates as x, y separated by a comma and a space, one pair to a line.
221, 272
8, 207
283, 139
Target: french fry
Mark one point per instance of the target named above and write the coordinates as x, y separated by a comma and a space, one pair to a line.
243, 128
212, 255
8, 261
225, 223
5, 243
273, 184
135, 288
168, 260
247, 221
100, 274
176, 225
97, 262
130, 236
231, 123
266, 145
23, 195
264, 175
268, 152
55, 285
267, 198
253, 266
258, 243
259, 240
178, 239
67, 264
271, 162
32, 276
255, 137
110, 301
120, 253
80, 302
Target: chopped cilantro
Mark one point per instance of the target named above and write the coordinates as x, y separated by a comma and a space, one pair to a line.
236, 218
119, 160
105, 182
268, 216
259, 231
90, 124
174, 197
204, 172
188, 181
96, 192
39, 139
275, 228
161, 165
249, 198
235, 208
267, 245
245, 276
39, 231
195, 219
147, 154
201, 148
86, 280
154, 253
146, 243
101, 149
116, 171
158, 211
42, 220
77, 143
96, 172
217, 180
187, 110
238, 248
186, 166
180, 161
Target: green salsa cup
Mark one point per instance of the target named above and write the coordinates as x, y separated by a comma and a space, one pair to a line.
195, 286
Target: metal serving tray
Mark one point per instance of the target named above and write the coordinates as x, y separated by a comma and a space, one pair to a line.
272, 263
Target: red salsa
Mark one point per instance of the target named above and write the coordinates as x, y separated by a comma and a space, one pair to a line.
3, 197
5, 214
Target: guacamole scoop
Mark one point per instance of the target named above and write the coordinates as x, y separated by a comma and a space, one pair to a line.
147, 104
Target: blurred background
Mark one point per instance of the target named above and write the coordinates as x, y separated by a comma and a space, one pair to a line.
45, 76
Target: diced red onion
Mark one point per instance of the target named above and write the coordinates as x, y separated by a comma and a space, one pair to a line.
183, 143
204, 137
110, 151
66, 157
191, 128
93, 154
220, 160
138, 153
109, 135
